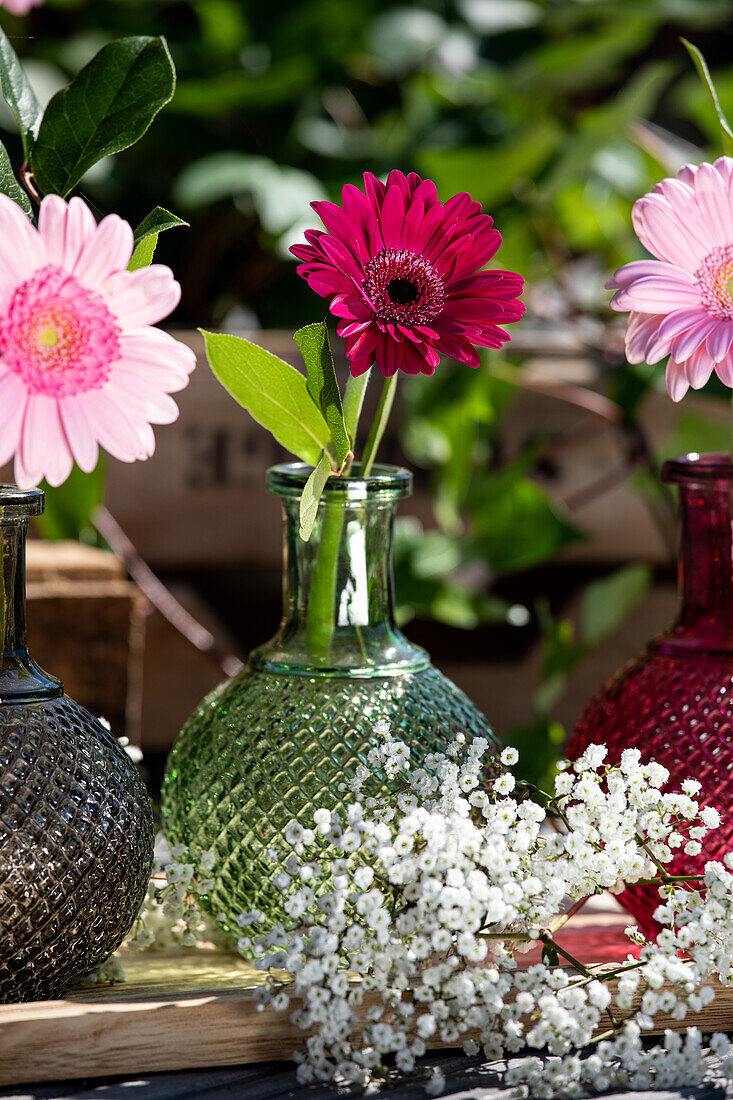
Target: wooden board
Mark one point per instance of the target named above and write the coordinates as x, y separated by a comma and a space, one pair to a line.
197, 1009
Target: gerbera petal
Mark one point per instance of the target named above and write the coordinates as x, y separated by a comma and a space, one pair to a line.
66, 228
640, 269
719, 341
139, 398
666, 329
684, 345
724, 370
39, 433
393, 217
108, 250
113, 427
713, 201
698, 368
13, 398
665, 235
21, 248
676, 380
142, 297
79, 434
163, 358
659, 293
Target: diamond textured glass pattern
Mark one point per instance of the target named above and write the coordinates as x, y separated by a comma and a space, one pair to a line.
76, 823
674, 702
282, 737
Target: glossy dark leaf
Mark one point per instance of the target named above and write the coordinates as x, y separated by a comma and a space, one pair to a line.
9, 184
107, 108
18, 94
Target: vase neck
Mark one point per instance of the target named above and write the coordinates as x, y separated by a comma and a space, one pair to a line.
21, 680
705, 568
338, 592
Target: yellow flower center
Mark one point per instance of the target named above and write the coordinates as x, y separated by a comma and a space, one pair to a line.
48, 337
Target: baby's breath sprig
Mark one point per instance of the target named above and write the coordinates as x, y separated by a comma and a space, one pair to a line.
435, 877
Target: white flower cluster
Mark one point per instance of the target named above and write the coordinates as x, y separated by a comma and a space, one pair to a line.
171, 916
436, 877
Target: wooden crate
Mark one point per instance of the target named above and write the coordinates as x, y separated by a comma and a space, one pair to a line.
86, 626
198, 1009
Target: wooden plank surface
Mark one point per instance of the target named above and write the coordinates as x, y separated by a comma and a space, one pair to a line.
197, 1009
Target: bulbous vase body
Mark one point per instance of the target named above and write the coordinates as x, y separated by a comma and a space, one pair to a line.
76, 823
283, 736
674, 701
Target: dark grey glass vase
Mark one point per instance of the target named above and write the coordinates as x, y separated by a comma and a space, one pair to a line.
76, 823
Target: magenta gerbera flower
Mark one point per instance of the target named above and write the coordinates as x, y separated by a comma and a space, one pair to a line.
80, 365
681, 303
403, 272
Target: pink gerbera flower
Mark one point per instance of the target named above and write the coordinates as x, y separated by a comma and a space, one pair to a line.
79, 364
20, 7
403, 271
682, 303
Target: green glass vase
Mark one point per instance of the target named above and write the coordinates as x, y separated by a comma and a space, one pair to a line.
280, 738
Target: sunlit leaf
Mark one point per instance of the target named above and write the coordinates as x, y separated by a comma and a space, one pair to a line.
272, 391
311, 496
147, 233
323, 385
704, 73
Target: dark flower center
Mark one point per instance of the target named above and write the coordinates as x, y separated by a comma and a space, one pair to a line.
402, 288
402, 291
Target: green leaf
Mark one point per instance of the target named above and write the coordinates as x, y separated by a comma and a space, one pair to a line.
108, 107
18, 94
9, 184
702, 68
492, 173
147, 233
607, 602
322, 385
311, 495
353, 401
516, 526
69, 507
273, 393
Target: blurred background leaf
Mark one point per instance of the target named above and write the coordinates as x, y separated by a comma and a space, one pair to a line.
556, 114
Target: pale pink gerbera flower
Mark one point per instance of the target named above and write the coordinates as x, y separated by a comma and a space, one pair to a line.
682, 303
79, 364
20, 7
403, 272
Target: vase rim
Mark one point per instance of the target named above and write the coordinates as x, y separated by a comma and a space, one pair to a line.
383, 483
17, 503
698, 466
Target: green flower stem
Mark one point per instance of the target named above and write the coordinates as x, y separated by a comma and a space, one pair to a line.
322, 592
379, 424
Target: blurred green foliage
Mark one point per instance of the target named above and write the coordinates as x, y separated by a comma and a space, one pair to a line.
556, 114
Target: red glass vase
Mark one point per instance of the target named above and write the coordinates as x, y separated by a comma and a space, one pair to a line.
674, 702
